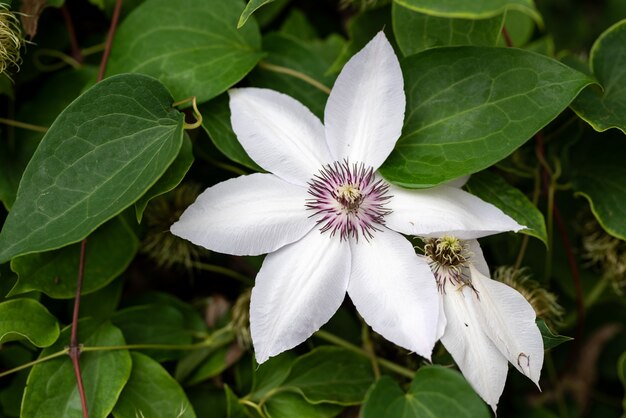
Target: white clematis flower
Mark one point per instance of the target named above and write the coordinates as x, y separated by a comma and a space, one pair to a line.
328, 220
487, 323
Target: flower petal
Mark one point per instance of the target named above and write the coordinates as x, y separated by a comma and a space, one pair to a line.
365, 110
445, 210
482, 364
477, 257
247, 215
279, 133
509, 321
395, 291
298, 289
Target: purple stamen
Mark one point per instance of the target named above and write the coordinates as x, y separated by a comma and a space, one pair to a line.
349, 200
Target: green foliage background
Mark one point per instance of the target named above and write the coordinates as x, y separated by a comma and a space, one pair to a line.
530, 99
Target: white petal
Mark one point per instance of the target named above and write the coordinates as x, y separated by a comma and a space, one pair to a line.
365, 110
445, 210
509, 321
482, 364
478, 259
279, 133
395, 291
298, 289
458, 182
247, 215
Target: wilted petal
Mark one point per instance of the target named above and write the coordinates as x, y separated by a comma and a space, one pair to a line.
365, 110
279, 133
395, 291
482, 364
445, 210
509, 321
298, 289
247, 215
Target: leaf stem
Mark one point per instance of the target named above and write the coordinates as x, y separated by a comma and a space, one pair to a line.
221, 270
109, 41
24, 125
369, 348
507, 37
35, 362
76, 52
218, 338
74, 348
297, 74
389, 365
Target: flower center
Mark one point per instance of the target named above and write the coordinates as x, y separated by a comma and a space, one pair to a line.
348, 199
448, 259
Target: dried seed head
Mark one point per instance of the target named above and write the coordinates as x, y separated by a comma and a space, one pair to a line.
241, 319
159, 244
11, 40
543, 302
606, 252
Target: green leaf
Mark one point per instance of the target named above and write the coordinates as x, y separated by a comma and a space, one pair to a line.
361, 29
51, 388
606, 108
215, 363
494, 189
170, 179
310, 59
469, 107
198, 52
436, 392
621, 372
152, 392
416, 31
271, 374
54, 95
290, 405
550, 340
27, 319
234, 409
12, 391
251, 7
109, 251
330, 374
102, 153
520, 28
600, 176
477, 9
216, 123
103, 303
298, 26
154, 324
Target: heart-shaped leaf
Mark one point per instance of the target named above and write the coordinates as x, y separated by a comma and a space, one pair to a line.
102, 153
606, 108
192, 46
27, 319
469, 107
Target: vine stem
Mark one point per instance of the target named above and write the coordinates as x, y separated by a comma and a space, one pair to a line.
109, 41
297, 74
389, 365
24, 125
507, 37
74, 348
76, 52
34, 362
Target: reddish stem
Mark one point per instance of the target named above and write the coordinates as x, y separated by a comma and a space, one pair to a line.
571, 260
76, 52
109, 42
507, 37
74, 349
